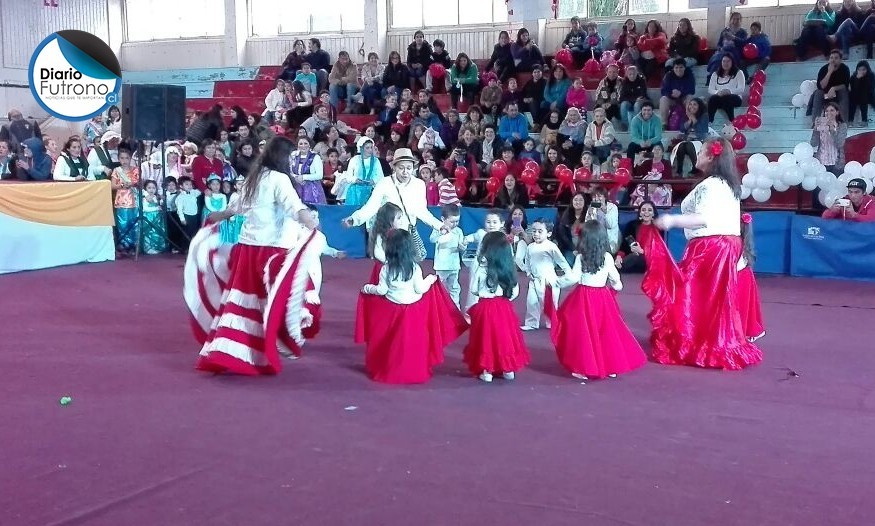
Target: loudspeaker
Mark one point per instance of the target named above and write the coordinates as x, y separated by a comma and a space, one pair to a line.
153, 112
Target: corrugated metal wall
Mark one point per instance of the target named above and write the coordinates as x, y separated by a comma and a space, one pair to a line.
262, 51
25, 23
173, 54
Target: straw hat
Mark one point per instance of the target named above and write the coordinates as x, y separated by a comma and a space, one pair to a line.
403, 154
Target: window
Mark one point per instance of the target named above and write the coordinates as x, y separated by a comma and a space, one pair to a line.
276, 17
164, 19
441, 13
614, 8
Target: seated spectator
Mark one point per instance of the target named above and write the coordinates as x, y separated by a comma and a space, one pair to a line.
320, 62
599, 135
72, 165
514, 166
607, 93
343, 81
300, 104
439, 55
590, 46
396, 76
461, 157
332, 140
832, 85
764, 51
512, 193
633, 95
427, 119
292, 64
318, 123
630, 55
654, 48
387, 116
855, 206
431, 140
533, 94
490, 147
18, 130
243, 158
451, 129
573, 41
569, 225
684, 44
424, 98
490, 96
6, 171
464, 80
646, 130
572, 133
817, 25
274, 104
847, 27
726, 88
630, 29
860, 94
576, 96
501, 61
550, 131
731, 42
472, 144
372, 82
678, 85
418, 58
529, 153
512, 94
630, 258
828, 136
653, 169
513, 127
526, 54
34, 164
694, 129
556, 90
308, 78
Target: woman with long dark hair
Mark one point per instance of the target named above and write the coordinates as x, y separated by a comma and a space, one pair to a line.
693, 130
569, 226
630, 258
501, 61
828, 136
464, 80
695, 314
227, 293
526, 54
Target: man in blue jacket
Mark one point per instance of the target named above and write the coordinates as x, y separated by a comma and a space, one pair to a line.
764, 51
678, 86
513, 127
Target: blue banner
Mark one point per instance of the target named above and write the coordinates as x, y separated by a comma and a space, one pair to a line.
830, 248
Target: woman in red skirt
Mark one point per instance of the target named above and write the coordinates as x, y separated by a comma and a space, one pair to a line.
410, 319
591, 338
496, 344
247, 302
695, 315
748, 292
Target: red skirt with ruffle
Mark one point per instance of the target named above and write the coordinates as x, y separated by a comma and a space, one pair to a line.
749, 304
359, 331
591, 337
496, 343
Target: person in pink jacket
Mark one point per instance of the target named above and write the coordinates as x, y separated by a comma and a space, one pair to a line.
576, 96
856, 206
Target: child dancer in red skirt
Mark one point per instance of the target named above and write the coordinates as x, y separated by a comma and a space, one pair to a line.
590, 336
748, 292
411, 318
496, 345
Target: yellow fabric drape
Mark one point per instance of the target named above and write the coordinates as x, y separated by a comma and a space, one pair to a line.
86, 203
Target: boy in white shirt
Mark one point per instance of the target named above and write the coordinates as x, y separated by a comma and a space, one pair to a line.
447, 251
540, 262
187, 209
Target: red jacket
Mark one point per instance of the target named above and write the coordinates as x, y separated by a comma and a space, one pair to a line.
201, 168
865, 213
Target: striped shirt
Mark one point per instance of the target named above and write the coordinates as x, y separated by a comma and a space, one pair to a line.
447, 193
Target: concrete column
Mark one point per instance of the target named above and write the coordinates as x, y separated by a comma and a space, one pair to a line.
376, 27
236, 33
716, 21
116, 23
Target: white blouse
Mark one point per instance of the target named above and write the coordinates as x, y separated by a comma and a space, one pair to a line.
735, 84
482, 290
63, 173
271, 217
713, 199
401, 291
607, 274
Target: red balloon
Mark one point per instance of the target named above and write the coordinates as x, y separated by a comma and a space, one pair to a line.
560, 168
703, 44
534, 166
760, 76
581, 175
750, 51
754, 121
755, 99
592, 67
438, 71
563, 56
493, 184
461, 189
564, 176
626, 163
529, 177
756, 87
753, 110
740, 122
739, 141
461, 173
499, 169
622, 176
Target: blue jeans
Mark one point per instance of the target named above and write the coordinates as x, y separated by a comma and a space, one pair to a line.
813, 35
336, 91
371, 93
629, 110
848, 31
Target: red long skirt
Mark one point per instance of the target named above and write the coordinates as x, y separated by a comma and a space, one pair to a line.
695, 315
591, 337
361, 313
496, 343
749, 304
404, 342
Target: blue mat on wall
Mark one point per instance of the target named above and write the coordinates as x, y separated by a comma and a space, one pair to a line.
828, 248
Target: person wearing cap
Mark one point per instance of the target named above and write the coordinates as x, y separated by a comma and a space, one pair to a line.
401, 189
855, 206
103, 158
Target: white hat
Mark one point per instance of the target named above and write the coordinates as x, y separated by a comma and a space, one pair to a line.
108, 136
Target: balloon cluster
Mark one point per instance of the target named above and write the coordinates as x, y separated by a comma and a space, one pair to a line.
753, 119
461, 183
832, 187
529, 177
592, 66
806, 90
564, 57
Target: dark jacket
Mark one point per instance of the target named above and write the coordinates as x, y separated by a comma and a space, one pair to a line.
631, 90
398, 76
41, 164
419, 56
501, 57
684, 46
442, 58
16, 132
319, 59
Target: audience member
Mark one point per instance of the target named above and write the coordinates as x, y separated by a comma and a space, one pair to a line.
855, 206
726, 88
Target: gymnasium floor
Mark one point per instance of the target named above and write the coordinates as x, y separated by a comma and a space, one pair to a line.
147, 440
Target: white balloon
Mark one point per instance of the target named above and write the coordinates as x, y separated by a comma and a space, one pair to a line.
827, 199
799, 100
764, 181
854, 168
803, 151
761, 195
792, 175
787, 159
781, 186
807, 88
868, 171
745, 192
773, 171
756, 162
842, 180
810, 166
825, 181
809, 183
749, 181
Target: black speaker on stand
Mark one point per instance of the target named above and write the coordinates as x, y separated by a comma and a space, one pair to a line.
156, 113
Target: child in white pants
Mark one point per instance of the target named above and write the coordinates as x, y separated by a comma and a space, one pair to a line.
540, 262
492, 223
447, 251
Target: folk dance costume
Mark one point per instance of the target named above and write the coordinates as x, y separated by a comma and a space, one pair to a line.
308, 170
312, 299
125, 205
496, 344
369, 171
695, 315
362, 314
235, 223
749, 302
473, 264
410, 324
447, 260
540, 262
589, 333
154, 227
244, 311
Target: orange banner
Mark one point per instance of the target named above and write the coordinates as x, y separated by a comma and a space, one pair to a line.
86, 203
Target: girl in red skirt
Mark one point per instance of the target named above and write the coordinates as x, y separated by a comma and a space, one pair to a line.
410, 319
695, 315
496, 345
748, 292
589, 333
